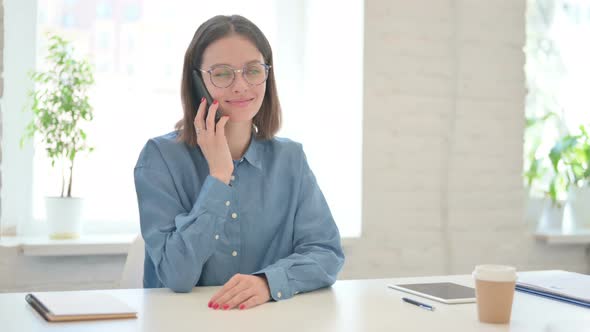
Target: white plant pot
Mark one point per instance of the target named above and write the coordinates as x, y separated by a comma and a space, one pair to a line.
534, 209
551, 217
64, 217
578, 200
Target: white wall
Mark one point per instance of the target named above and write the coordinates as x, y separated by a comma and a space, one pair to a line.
443, 140
20, 273
443, 128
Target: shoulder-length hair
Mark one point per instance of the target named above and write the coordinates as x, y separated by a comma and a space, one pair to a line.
268, 119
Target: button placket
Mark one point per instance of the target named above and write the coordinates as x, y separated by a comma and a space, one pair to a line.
232, 229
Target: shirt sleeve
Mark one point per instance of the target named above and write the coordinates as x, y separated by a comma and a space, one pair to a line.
317, 254
178, 242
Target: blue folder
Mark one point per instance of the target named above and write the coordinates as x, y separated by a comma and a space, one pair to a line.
585, 304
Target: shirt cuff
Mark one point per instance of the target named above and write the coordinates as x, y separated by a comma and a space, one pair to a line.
278, 283
213, 197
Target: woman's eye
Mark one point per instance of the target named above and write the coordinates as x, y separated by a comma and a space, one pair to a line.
253, 71
222, 74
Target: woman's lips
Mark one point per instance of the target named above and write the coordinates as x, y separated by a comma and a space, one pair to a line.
240, 102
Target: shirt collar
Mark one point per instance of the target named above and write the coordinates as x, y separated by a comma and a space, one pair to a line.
254, 152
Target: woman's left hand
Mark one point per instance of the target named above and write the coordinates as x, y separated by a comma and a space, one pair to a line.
242, 291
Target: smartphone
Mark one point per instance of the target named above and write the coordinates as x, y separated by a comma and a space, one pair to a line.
201, 91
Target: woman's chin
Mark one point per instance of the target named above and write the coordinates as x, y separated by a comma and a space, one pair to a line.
240, 116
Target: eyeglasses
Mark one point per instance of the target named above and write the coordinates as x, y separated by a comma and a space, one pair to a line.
222, 76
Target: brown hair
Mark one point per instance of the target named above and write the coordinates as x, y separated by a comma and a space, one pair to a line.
268, 118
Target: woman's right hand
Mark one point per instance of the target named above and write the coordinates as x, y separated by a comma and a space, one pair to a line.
213, 143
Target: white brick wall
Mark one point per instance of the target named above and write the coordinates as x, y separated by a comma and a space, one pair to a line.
443, 130
20, 273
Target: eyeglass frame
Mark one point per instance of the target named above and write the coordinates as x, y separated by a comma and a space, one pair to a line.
266, 70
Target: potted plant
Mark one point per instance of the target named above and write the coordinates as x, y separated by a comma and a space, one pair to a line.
544, 208
60, 105
570, 158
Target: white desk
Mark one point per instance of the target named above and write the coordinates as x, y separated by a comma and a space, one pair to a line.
355, 305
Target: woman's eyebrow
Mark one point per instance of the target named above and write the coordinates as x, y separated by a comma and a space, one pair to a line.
227, 64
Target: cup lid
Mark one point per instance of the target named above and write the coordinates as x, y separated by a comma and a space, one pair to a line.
494, 272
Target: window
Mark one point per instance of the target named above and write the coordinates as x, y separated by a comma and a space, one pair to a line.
137, 48
558, 76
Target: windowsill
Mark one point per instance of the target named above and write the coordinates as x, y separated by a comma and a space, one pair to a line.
103, 244
561, 236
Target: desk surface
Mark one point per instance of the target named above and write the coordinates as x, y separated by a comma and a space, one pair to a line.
351, 305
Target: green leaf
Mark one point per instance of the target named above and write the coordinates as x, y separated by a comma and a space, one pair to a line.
553, 190
59, 102
558, 150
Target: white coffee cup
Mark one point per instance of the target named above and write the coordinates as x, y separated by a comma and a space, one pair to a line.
494, 289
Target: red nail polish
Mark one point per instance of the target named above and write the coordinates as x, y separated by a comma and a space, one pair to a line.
202, 99
215, 306
210, 304
225, 307
215, 102
242, 306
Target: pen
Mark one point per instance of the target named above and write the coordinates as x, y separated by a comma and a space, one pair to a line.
420, 304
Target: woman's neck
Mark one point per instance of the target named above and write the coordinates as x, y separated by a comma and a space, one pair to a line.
238, 136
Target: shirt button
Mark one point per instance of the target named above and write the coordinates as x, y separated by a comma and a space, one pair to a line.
234, 253
216, 236
233, 178
234, 215
279, 294
227, 203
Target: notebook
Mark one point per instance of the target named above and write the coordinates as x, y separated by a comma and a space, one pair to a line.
75, 306
559, 285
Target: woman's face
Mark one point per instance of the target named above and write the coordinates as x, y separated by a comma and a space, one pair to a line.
241, 100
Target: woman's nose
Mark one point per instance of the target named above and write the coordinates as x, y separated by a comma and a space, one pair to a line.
240, 84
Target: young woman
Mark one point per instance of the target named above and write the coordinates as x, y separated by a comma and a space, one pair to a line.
223, 201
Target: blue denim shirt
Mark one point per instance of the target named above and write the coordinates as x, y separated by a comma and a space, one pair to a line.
272, 219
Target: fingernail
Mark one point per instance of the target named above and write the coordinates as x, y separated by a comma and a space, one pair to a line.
202, 99
215, 306
225, 306
242, 306
210, 304
215, 102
